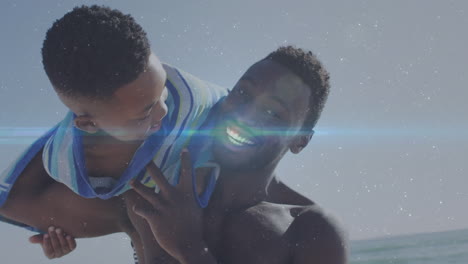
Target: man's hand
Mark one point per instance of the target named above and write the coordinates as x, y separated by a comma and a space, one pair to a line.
55, 243
173, 214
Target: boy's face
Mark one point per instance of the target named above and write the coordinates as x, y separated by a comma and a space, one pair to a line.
261, 118
134, 112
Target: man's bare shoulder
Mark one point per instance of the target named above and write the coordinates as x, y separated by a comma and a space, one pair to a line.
316, 238
292, 234
257, 235
303, 217
264, 217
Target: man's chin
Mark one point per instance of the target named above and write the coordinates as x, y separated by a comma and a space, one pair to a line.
233, 161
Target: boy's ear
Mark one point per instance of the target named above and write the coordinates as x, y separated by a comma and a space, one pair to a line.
300, 142
86, 124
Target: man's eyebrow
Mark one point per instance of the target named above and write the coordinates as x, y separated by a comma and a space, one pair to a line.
247, 78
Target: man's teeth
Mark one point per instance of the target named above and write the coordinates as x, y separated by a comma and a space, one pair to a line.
237, 139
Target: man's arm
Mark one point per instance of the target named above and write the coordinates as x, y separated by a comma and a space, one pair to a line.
173, 216
39, 201
144, 238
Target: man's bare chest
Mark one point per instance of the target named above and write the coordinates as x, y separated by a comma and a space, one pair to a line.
250, 243
256, 237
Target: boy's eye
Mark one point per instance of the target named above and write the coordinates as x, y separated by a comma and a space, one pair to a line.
144, 118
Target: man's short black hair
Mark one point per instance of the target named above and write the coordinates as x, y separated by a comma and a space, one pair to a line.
311, 71
94, 50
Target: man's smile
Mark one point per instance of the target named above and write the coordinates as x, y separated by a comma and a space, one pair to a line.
238, 138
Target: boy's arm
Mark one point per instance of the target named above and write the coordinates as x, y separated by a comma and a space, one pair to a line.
39, 201
55, 243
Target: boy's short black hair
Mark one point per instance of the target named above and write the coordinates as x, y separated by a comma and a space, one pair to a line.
311, 71
94, 50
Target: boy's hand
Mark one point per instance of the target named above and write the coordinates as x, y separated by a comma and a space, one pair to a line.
173, 214
55, 243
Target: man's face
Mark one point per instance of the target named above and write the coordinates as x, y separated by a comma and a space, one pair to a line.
261, 117
134, 111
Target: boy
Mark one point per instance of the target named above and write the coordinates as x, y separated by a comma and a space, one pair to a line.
126, 110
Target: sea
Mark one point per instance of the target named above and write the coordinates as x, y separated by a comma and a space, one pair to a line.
428, 248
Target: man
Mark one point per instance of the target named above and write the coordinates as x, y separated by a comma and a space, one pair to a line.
126, 108
271, 110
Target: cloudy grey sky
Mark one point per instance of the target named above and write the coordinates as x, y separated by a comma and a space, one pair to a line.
389, 156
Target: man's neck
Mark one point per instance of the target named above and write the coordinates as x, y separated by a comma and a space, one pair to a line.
241, 189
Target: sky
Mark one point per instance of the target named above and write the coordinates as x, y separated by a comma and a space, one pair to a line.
389, 153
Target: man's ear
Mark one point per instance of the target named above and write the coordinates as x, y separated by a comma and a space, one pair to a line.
301, 141
86, 124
